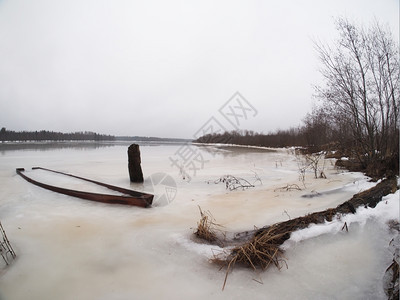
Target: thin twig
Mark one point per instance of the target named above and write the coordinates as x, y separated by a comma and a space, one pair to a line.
5, 246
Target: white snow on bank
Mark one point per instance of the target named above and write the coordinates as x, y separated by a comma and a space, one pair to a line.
354, 187
237, 145
386, 210
206, 250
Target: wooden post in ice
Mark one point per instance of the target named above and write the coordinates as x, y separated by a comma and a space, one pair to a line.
135, 170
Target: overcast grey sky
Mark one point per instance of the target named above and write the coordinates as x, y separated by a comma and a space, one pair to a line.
164, 68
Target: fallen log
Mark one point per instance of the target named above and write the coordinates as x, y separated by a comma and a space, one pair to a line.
368, 198
262, 246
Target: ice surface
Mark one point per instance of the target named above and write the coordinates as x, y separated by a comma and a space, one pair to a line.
76, 249
385, 211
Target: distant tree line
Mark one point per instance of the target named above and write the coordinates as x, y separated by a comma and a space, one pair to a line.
303, 136
358, 112
44, 135
150, 139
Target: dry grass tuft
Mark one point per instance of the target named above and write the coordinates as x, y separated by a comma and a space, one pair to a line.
260, 252
392, 290
263, 250
206, 227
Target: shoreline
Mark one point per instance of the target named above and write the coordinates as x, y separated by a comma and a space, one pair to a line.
220, 145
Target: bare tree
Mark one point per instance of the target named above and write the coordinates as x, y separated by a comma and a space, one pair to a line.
315, 164
302, 166
361, 92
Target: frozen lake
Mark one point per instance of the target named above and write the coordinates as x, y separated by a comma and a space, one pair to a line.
68, 248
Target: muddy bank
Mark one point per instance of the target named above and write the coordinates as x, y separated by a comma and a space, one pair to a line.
376, 169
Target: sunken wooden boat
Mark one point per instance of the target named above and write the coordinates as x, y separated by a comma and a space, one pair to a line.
132, 197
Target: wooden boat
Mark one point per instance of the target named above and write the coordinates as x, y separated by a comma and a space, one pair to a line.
135, 198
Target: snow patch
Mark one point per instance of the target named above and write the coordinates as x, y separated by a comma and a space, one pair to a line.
386, 210
206, 250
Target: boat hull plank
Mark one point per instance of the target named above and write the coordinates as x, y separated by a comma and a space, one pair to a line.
135, 198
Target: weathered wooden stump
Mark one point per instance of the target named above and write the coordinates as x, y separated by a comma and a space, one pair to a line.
135, 170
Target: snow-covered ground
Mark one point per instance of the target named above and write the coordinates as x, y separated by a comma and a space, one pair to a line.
69, 248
